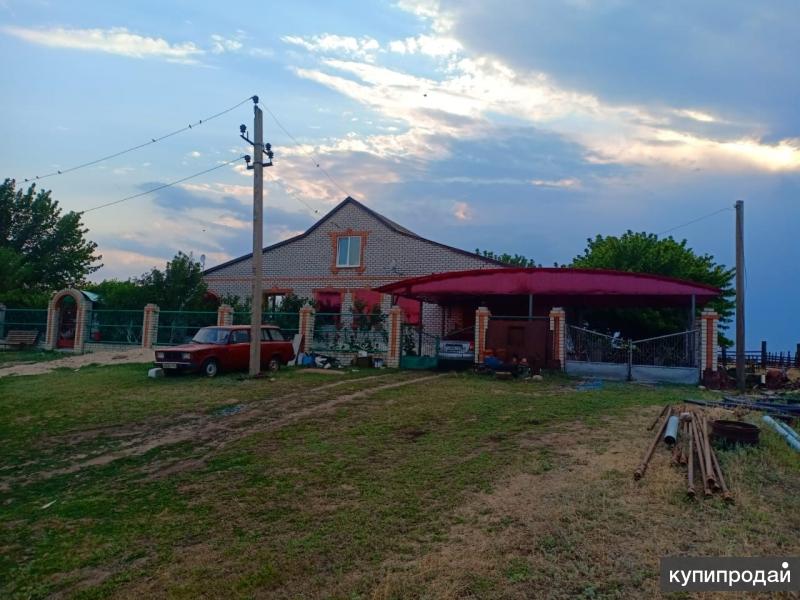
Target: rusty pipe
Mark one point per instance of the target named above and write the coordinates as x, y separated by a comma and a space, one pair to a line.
699, 452
661, 414
676, 455
690, 473
640, 470
685, 451
726, 494
712, 480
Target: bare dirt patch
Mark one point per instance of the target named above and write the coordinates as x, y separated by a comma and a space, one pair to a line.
77, 361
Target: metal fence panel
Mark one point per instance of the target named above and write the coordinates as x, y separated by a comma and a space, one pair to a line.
415, 341
24, 319
179, 327
289, 322
584, 345
673, 350
114, 326
350, 332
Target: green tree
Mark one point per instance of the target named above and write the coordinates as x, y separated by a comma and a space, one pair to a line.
516, 260
647, 253
122, 295
179, 286
41, 248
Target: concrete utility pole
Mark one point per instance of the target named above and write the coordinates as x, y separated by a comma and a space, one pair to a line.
259, 149
740, 378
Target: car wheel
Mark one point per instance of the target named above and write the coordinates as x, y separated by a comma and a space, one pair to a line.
210, 368
274, 364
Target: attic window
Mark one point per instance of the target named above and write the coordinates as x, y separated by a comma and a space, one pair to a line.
348, 251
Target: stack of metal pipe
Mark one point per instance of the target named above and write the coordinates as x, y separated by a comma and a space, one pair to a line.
686, 433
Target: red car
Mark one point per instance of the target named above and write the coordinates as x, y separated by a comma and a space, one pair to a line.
215, 349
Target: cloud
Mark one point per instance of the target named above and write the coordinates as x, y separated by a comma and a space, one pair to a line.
734, 57
556, 183
465, 99
327, 43
435, 46
116, 40
697, 115
220, 44
462, 211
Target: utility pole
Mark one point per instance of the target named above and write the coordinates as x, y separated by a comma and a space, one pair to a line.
259, 149
740, 378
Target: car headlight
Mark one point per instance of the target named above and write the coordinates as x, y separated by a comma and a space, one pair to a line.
186, 356
160, 355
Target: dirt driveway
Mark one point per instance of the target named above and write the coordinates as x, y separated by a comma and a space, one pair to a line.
76, 361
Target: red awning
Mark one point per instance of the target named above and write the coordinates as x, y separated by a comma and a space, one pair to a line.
565, 287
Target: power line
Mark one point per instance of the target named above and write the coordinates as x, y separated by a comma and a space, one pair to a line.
311, 155
694, 221
161, 187
137, 147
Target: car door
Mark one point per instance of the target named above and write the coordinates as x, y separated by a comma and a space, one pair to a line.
238, 355
272, 343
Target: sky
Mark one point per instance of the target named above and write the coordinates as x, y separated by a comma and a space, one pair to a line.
518, 126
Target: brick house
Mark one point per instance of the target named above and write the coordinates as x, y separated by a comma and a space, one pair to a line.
340, 258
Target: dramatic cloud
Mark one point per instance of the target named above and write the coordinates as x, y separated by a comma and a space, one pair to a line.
727, 55
463, 100
116, 40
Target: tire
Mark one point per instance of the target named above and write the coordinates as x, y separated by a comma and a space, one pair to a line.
274, 364
210, 368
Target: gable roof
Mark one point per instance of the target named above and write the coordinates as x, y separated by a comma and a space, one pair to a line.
352, 201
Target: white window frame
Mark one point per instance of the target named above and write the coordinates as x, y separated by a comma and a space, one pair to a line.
338, 245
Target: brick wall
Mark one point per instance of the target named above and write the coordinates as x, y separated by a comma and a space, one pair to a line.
307, 263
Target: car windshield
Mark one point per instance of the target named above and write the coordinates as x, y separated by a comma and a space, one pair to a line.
211, 335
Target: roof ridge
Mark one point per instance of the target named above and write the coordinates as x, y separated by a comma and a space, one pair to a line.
372, 212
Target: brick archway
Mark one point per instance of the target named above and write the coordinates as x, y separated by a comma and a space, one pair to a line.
54, 319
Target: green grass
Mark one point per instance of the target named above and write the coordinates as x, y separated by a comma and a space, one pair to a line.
332, 504
12, 357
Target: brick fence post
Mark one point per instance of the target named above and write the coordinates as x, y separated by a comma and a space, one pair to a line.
395, 337
150, 326
708, 341
83, 315
306, 326
224, 315
558, 326
482, 315
53, 314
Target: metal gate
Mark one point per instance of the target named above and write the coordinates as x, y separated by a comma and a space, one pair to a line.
418, 348
669, 358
